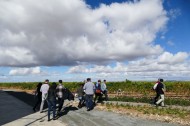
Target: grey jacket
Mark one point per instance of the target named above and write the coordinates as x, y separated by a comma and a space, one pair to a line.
89, 88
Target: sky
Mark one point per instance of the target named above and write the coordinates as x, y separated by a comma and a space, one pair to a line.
101, 39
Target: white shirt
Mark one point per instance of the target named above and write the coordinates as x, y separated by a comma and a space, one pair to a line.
103, 86
60, 88
44, 88
155, 86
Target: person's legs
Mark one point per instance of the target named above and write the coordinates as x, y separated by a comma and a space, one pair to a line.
54, 108
49, 109
37, 103
160, 100
162, 103
96, 96
90, 101
80, 102
61, 101
42, 103
106, 95
87, 104
100, 97
156, 98
83, 101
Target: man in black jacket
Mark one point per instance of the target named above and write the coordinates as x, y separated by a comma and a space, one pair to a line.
160, 89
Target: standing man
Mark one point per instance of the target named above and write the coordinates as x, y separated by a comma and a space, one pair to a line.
104, 90
59, 92
44, 89
160, 89
89, 90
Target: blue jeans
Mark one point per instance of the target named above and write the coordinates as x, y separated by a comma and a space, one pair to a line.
51, 106
89, 101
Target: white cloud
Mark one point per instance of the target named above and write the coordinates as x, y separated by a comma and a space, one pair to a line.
174, 13
166, 65
25, 71
168, 58
170, 43
62, 32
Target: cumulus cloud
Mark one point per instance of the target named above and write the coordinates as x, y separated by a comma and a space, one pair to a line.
25, 71
168, 58
62, 32
166, 65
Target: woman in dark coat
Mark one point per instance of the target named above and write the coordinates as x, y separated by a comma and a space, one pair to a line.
51, 100
98, 92
38, 95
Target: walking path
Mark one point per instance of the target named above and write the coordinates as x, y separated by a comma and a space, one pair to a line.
14, 112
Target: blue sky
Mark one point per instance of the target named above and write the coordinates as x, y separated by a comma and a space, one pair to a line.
101, 39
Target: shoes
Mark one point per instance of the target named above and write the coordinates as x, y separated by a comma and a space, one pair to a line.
41, 111
34, 109
79, 106
59, 114
156, 105
48, 120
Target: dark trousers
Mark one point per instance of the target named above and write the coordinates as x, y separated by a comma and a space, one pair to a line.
156, 98
60, 102
89, 102
39, 100
51, 106
81, 101
99, 96
105, 94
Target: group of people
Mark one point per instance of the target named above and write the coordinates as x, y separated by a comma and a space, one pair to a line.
57, 93
45, 92
89, 89
159, 88
86, 92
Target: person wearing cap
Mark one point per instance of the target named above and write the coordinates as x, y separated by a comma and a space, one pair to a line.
44, 89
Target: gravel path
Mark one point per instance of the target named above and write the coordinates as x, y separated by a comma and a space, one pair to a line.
102, 118
71, 115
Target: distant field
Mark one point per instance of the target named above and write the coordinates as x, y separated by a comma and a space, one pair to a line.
132, 88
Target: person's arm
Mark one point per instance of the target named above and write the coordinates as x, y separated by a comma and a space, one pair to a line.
105, 86
56, 90
84, 87
41, 88
155, 86
94, 87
